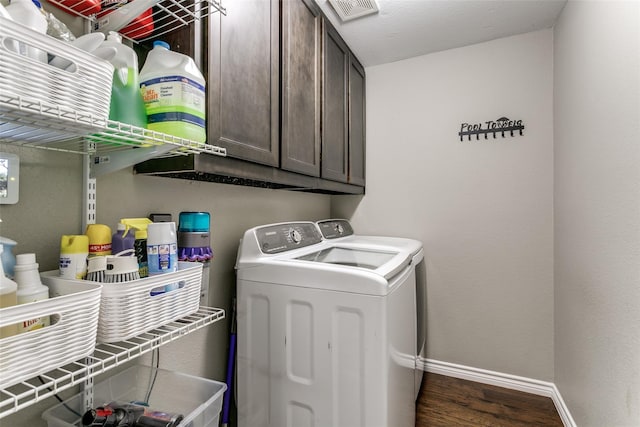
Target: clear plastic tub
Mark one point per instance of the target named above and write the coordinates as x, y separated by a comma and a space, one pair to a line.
198, 399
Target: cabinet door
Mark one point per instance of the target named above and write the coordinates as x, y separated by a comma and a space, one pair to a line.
243, 78
335, 131
357, 123
301, 62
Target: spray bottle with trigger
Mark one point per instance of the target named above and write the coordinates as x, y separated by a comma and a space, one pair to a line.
140, 243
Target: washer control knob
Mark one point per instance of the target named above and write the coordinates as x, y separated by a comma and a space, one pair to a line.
339, 229
295, 236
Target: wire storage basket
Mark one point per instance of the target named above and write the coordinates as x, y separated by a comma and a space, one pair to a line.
129, 308
73, 312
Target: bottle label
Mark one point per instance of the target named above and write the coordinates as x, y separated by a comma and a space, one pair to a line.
162, 258
73, 266
100, 249
33, 324
174, 99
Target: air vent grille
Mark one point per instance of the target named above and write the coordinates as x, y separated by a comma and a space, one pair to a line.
352, 9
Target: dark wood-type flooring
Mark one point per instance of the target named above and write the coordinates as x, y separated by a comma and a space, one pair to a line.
448, 402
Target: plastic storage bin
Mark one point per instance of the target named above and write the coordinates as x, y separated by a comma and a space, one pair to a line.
198, 399
83, 88
128, 309
73, 309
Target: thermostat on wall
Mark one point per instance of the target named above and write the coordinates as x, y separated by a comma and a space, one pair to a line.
9, 178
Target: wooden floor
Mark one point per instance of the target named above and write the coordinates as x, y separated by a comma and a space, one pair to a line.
448, 402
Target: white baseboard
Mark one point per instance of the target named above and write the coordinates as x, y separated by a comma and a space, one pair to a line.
513, 382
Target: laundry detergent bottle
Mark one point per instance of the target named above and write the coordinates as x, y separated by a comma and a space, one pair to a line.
173, 90
126, 100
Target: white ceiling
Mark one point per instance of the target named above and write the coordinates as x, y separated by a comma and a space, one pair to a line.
407, 28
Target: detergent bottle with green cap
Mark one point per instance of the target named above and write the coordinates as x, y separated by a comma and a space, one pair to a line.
173, 90
140, 243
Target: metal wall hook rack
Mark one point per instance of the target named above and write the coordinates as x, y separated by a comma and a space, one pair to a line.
499, 126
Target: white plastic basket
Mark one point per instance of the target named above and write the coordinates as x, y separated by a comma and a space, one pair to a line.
73, 309
84, 87
128, 309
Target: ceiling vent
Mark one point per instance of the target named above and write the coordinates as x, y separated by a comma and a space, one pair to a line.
352, 9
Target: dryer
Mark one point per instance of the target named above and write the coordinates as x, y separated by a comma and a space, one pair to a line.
326, 330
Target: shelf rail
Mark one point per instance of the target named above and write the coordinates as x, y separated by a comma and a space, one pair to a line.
104, 358
167, 15
33, 123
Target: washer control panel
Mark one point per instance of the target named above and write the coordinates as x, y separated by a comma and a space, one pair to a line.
278, 238
334, 228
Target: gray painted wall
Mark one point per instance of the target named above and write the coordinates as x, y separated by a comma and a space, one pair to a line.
50, 205
597, 211
483, 209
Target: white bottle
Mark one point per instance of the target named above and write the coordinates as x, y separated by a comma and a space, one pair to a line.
8, 298
27, 13
162, 252
30, 289
173, 90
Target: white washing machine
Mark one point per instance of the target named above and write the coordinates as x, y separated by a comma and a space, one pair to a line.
326, 330
340, 230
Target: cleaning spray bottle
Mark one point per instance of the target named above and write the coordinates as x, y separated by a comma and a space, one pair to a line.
7, 256
8, 298
123, 239
140, 244
126, 100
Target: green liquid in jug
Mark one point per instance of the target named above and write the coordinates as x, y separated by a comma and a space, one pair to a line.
127, 107
126, 101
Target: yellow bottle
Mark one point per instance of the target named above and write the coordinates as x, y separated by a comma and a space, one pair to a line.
74, 250
99, 239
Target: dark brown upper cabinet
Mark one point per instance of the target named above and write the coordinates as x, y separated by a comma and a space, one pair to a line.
243, 80
357, 122
286, 98
335, 107
300, 86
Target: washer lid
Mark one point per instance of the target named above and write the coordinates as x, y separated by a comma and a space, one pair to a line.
352, 257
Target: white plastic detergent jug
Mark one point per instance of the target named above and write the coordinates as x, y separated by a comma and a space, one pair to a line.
27, 13
173, 90
126, 101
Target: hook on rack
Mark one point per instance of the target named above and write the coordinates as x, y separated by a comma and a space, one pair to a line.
501, 126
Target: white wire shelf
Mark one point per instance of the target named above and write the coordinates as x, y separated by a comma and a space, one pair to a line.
33, 123
104, 358
167, 15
